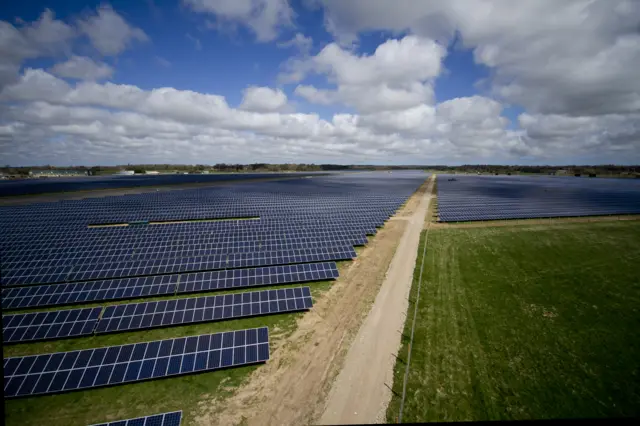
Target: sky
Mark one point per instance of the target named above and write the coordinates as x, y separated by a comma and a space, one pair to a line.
320, 81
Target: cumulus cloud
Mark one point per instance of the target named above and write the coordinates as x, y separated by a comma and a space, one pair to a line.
82, 68
299, 41
572, 64
109, 32
398, 75
264, 18
103, 120
263, 99
46, 36
49, 37
573, 57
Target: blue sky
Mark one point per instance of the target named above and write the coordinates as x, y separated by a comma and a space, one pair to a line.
419, 83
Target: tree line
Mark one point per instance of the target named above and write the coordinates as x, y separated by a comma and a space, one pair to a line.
582, 170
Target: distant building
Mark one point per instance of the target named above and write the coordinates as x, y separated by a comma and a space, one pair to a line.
151, 172
125, 172
562, 172
56, 173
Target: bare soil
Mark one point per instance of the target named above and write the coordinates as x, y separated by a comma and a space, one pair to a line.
292, 387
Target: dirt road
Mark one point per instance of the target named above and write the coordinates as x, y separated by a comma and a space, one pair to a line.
291, 389
359, 394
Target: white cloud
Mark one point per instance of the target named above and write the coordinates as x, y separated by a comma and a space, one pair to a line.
573, 57
263, 99
398, 75
571, 65
315, 96
109, 33
196, 41
82, 68
45, 37
104, 120
163, 62
300, 42
264, 17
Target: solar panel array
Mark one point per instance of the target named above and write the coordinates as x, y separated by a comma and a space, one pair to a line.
164, 419
470, 198
163, 285
135, 316
91, 368
53, 255
299, 221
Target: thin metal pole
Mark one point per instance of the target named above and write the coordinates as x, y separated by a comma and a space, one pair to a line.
413, 326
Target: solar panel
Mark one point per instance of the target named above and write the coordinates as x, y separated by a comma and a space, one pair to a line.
49, 325
90, 368
174, 265
200, 309
164, 419
129, 288
472, 198
272, 275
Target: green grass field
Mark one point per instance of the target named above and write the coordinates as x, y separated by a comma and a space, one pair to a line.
143, 398
526, 322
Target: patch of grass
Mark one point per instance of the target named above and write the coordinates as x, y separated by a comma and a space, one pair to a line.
525, 323
144, 398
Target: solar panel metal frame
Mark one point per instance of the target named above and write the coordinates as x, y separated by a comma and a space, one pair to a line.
113, 365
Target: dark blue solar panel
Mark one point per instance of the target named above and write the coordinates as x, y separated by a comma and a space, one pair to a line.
67, 371
471, 198
166, 266
129, 288
164, 419
49, 325
200, 309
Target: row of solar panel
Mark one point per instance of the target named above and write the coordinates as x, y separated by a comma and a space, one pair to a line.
274, 210
530, 215
90, 368
130, 288
80, 258
212, 194
207, 241
193, 239
136, 316
54, 230
233, 206
471, 198
57, 247
164, 419
115, 217
167, 266
137, 232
